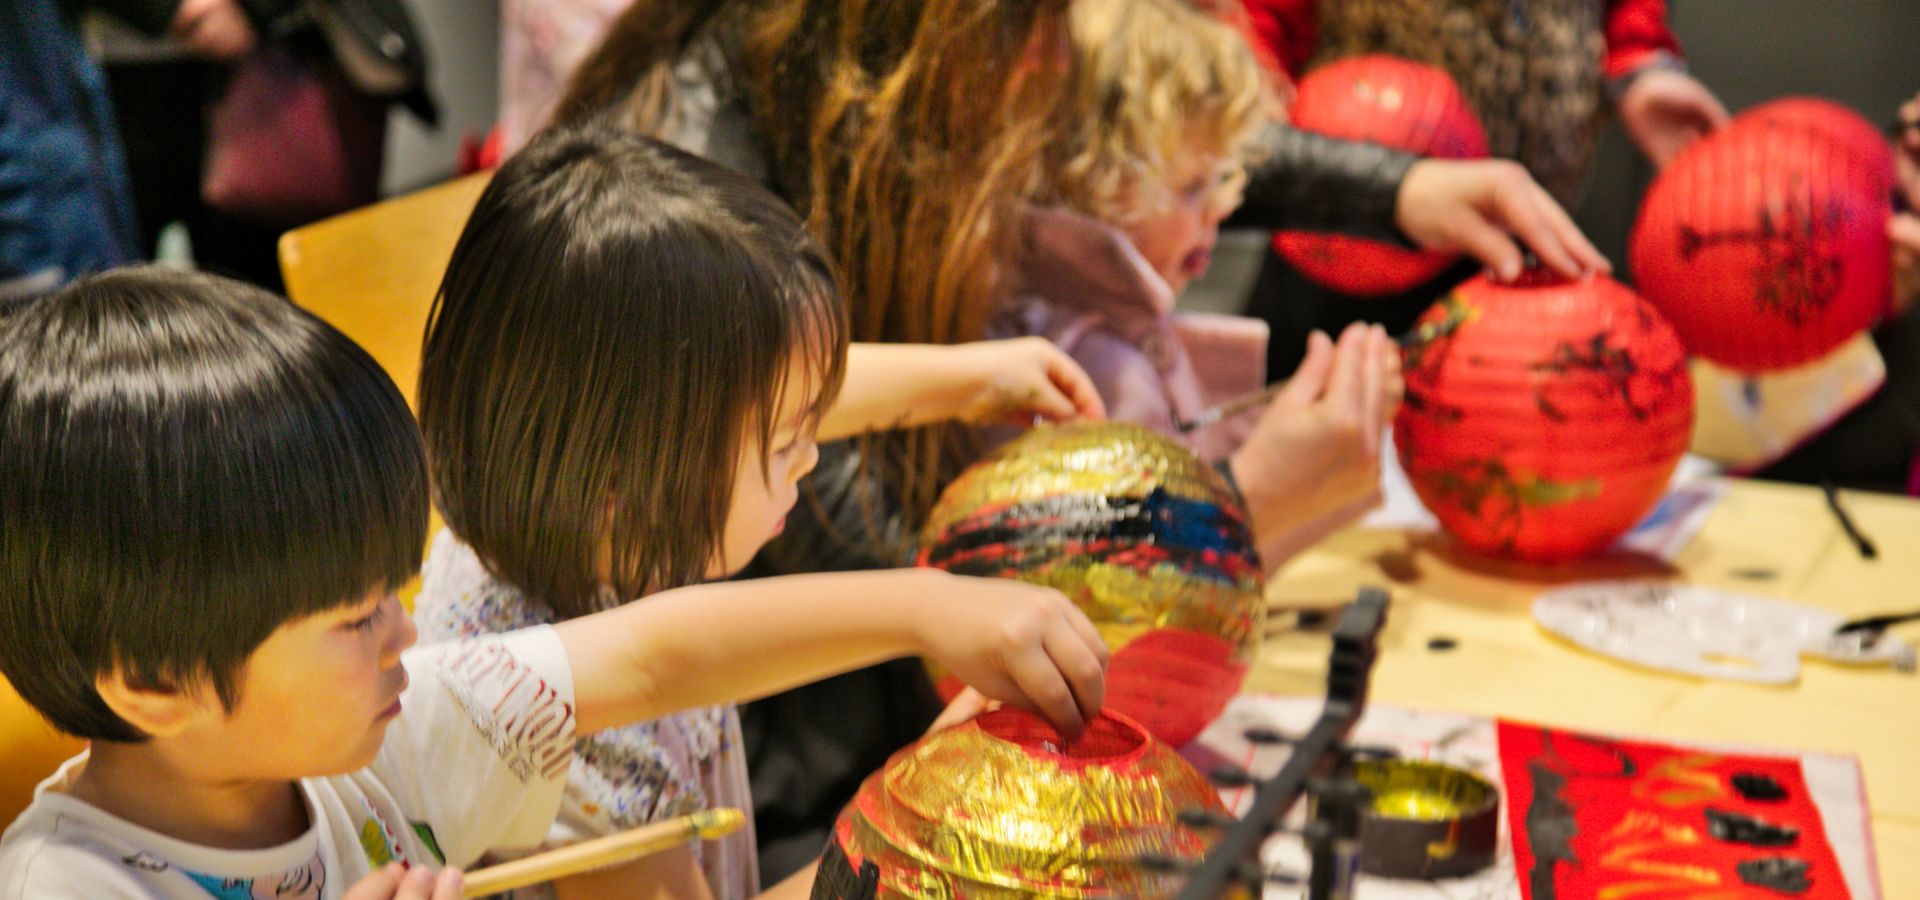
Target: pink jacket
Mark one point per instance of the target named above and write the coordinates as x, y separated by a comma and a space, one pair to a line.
1081, 284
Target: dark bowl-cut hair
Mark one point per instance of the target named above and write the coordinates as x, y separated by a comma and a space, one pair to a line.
619, 318
186, 464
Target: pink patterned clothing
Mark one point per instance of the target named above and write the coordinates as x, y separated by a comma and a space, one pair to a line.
1082, 285
622, 778
541, 43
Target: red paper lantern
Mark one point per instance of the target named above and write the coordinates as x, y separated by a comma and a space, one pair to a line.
1002, 806
1148, 540
1548, 421
1765, 245
1396, 103
1829, 118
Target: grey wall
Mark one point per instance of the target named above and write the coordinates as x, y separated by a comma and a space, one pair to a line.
463, 40
1863, 53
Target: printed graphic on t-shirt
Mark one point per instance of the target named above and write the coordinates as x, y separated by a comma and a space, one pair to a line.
307, 882
424, 832
517, 711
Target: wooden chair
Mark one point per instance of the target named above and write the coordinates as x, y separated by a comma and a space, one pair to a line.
29, 751
373, 272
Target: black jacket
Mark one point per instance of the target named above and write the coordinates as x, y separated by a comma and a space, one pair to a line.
1302, 181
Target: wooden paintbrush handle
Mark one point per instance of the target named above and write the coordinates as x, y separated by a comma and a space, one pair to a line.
600, 853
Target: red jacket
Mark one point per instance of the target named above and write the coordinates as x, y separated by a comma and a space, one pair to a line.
1284, 32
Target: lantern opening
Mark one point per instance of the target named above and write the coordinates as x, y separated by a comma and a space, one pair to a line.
1108, 738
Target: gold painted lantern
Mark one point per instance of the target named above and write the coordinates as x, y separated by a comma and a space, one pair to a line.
1151, 542
1002, 807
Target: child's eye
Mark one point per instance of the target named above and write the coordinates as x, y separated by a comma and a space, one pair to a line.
365, 623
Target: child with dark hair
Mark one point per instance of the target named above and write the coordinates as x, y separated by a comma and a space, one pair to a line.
633, 353
207, 498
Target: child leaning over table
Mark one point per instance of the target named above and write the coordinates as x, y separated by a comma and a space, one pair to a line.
207, 498
1164, 103
633, 355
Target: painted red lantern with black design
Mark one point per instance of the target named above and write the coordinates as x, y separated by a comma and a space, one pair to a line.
1549, 419
1765, 244
1396, 103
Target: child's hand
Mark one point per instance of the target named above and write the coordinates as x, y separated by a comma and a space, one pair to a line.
1313, 460
396, 883
1019, 643
1014, 381
966, 704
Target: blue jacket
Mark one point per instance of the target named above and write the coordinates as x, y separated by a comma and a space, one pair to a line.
65, 205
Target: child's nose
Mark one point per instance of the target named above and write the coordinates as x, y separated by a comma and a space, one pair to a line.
808, 459
403, 635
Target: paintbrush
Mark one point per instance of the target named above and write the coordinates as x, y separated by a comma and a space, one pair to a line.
1423, 333
600, 853
1860, 541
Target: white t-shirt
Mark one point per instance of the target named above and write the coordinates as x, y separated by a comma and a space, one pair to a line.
477, 759
623, 777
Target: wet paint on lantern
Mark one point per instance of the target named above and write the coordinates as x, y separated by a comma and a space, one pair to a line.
1764, 244
1002, 806
1147, 539
1546, 421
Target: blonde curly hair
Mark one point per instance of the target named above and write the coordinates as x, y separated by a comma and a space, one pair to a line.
1151, 80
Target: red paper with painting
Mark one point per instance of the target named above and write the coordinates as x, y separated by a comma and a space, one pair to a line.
1601, 819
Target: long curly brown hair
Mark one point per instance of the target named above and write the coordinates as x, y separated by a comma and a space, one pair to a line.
1531, 70
907, 132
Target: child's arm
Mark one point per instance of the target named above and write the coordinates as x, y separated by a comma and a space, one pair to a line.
735, 641
985, 382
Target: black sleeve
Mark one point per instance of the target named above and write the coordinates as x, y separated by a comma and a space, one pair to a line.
1308, 182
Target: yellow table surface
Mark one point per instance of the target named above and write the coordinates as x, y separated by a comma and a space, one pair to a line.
1506, 666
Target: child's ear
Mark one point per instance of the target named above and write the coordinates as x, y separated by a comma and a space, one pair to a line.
157, 710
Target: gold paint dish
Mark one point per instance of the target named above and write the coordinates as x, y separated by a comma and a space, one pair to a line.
1426, 820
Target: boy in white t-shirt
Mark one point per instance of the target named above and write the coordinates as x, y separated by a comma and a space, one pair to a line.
207, 498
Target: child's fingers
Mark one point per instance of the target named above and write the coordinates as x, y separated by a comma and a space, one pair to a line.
380, 885
450, 885
1396, 386
966, 704
1077, 385
1091, 635
1045, 688
1045, 401
1309, 381
419, 884
1084, 669
1345, 387
1374, 374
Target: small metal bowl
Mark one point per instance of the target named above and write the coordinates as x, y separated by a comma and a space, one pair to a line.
1427, 820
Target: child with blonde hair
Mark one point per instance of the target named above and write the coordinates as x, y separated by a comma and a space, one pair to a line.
1163, 105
